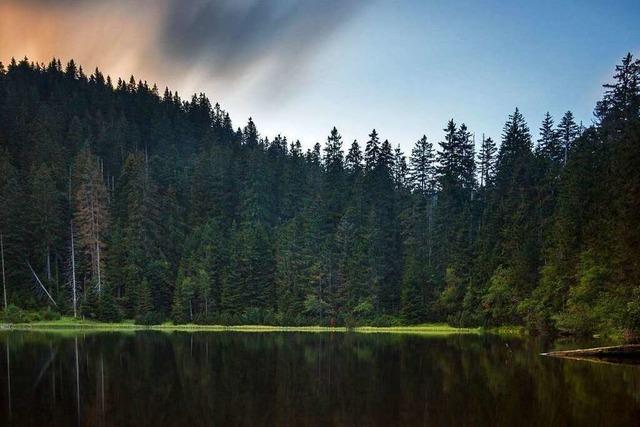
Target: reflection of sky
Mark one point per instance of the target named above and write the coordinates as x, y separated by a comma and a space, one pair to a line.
402, 67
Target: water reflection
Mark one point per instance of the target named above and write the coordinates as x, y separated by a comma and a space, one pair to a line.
8, 380
153, 378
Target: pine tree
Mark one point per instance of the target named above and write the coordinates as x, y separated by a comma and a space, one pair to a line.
353, 160
487, 162
514, 228
250, 135
91, 215
567, 132
549, 145
448, 157
46, 215
516, 141
107, 308
466, 156
333, 157
144, 303
400, 169
372, 151
334, 182
9, 224
422, 167
621, 101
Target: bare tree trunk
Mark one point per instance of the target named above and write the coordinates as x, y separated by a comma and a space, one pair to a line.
98, 252
41, 285
4, 279
73, 274
57, 271
98, 259
94, 232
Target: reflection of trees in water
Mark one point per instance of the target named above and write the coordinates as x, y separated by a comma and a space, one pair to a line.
155, 378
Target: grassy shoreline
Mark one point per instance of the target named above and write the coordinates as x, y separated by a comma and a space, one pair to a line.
70, 324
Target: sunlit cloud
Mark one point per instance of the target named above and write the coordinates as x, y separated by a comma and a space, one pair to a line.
240, 45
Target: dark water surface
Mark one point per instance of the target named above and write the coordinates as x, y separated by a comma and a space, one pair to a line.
290, 379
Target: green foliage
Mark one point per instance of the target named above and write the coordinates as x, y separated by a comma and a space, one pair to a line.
179, 311
177, 215
148, 319
107, 309
144, 304
49, 314
499, 302
588, 308
89, 307
316, 308
14, 314
633, 312
412, 304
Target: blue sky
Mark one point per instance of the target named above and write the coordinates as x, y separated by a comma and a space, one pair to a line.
299, 67
405, 68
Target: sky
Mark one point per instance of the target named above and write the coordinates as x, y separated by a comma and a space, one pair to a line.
300, 67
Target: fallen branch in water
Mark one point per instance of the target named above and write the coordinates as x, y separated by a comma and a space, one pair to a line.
628, 351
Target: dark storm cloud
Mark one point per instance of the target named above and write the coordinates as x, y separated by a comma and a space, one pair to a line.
230, 34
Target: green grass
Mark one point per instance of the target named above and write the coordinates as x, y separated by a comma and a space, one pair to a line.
69, 324
426, 328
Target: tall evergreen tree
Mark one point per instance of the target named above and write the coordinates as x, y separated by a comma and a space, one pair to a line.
568, 132
422, 167
549, 145
487, 161
91, 213
372, 151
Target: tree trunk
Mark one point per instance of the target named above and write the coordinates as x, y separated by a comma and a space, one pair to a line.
73, 274
4, 279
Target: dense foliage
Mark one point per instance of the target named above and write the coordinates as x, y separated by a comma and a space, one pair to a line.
177, 215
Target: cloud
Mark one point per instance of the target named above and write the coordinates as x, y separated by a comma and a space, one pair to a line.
235, 43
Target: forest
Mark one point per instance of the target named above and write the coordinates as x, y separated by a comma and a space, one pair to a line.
122, 201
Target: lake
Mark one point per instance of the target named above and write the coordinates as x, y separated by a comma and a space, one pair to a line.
311, 379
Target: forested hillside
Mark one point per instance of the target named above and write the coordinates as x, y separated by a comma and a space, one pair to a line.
135, 203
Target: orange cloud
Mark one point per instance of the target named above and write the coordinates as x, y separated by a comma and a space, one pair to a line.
119, 41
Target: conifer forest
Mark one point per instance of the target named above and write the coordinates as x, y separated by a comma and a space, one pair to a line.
122, 200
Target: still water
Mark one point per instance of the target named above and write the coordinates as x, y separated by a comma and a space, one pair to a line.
290, 379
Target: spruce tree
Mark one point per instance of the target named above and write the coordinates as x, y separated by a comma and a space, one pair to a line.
549, 145
487, 161
567, 132
372, 151
422, 167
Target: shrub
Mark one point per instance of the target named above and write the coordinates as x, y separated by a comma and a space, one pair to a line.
14, 314
363, 312
49, 314
229, 319
151, 318
588, 306
107, 308
633, 312
499, 302
386, 321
